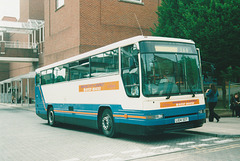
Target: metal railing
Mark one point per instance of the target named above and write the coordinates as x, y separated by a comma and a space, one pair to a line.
17, 44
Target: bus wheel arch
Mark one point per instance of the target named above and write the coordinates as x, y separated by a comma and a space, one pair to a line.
51, 116
106, 122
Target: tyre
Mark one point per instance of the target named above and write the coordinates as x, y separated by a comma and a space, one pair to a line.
107, 123
51, 117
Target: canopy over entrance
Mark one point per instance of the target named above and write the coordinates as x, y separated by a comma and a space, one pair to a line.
21, 27
11, 90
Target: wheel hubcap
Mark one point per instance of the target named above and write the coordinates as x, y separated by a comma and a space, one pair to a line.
51, 116
106, 122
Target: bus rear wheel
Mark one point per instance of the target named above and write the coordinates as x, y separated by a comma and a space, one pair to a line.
51, 117
107, 123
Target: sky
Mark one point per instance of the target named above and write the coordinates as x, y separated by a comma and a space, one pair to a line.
9, 8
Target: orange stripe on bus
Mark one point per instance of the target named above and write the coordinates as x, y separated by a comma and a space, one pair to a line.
130, 116
87, 113
84, 113
99, 87
179, 103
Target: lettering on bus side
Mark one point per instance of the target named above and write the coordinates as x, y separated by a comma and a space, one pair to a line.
179, 103
99, 87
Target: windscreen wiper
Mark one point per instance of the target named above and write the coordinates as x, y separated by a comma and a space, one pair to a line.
190, 87
170, 90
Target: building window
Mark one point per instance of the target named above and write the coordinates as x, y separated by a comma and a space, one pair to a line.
59, 4
133, 1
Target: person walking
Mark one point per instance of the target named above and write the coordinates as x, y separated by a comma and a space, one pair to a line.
212, 95
233, 105
236, 104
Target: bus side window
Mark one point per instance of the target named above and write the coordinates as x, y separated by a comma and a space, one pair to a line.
130, 71
79, 69
60, 73
38, 77
47, 76
105, 63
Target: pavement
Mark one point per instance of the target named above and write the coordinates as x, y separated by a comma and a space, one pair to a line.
226, 127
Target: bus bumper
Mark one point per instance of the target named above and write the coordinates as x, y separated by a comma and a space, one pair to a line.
158, 129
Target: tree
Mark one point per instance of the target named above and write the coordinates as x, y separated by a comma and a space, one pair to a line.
212, 24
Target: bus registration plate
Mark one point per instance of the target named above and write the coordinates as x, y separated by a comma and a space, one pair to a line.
179, 120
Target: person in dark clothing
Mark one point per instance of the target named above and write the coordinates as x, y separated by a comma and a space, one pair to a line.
232, 105
236, 104
212, 95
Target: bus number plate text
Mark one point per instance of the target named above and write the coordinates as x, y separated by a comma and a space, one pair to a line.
179, 120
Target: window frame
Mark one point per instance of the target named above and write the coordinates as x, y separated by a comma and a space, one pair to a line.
79, 62
126, 74
104, 56
133, 1
47, 81
59, 4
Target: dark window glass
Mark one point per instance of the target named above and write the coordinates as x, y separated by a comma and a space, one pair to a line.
130, 70
105, 63
47, 77
79, 69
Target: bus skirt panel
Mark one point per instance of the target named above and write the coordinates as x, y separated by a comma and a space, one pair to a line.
130, 121
157, 129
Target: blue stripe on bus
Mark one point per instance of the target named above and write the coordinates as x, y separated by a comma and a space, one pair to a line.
137, 117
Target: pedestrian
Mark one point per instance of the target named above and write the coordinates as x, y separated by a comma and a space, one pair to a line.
212, 95
236, 104
232, 105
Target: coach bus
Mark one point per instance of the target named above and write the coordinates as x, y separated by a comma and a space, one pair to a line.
142, 85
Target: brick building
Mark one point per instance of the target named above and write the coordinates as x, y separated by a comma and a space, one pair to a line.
17, 48
73, 27
77, 26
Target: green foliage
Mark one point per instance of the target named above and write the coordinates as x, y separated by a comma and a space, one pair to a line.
212, 24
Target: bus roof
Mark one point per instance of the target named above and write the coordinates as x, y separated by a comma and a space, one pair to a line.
113, 46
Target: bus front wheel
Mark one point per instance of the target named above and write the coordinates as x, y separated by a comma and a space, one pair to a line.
107, 123
51, 117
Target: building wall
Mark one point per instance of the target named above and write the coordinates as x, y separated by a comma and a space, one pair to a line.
83, 25
29, 9
4, 71
24, 10
107, 21
61, 31
4, 67
36, 9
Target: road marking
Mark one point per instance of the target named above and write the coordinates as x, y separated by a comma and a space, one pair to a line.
223, 141
160, 147
210, 139
100, 156
199, 146
131, 151
186, 143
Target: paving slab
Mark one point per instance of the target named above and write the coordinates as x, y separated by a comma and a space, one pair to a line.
226, 127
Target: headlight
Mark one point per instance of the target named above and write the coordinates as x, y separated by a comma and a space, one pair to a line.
202, 111
151, 117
